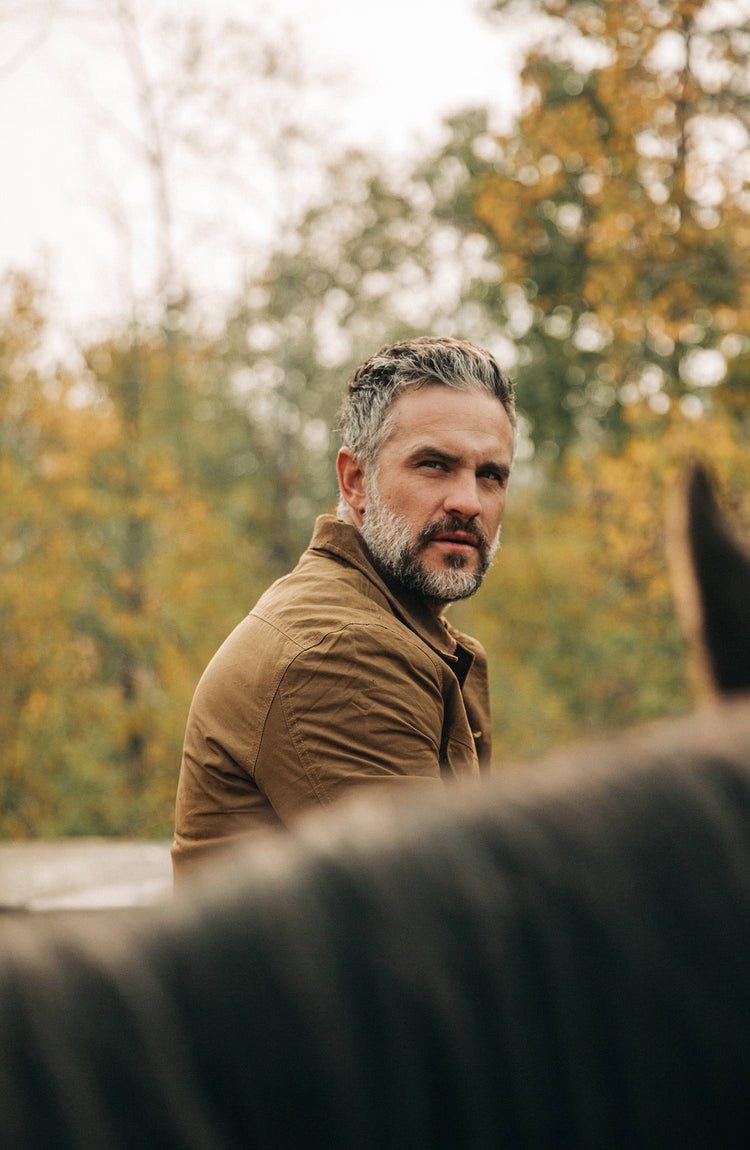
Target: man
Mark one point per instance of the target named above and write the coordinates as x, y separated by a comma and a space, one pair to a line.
346, 675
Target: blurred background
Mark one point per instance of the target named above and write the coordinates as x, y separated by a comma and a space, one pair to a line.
211, 212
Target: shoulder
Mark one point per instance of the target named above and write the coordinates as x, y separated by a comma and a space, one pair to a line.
380, 686
368, 649
291, 639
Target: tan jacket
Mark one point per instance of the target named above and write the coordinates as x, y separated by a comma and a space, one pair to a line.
332, 681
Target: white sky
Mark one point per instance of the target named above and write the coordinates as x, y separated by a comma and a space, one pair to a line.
410, 62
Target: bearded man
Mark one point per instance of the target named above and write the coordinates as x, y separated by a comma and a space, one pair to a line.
346, 673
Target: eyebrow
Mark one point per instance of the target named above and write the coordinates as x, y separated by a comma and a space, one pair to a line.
428, 452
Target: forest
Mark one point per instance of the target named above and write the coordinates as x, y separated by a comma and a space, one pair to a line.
154, 483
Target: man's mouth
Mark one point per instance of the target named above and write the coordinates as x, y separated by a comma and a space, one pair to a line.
460, 539
454, 537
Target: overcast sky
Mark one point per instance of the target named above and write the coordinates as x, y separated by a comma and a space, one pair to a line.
401, 66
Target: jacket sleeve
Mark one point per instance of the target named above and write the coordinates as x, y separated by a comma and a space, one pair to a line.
358, 710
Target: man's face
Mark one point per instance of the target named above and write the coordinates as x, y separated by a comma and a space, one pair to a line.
434, 505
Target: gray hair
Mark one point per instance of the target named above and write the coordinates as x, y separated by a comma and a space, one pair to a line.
364, 422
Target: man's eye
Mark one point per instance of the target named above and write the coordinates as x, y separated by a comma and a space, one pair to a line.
433, 464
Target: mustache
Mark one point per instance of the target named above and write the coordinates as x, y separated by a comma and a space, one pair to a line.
448, 526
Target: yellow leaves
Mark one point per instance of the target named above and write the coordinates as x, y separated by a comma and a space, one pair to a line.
660, 229
35, 706
21, 324
60, 466
124, 581
161, 475
634, 487
8, 476
558, 128
499, 211
576, 612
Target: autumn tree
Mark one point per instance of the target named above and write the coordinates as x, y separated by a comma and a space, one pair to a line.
45, 445
577, 611
619, 205
119, 576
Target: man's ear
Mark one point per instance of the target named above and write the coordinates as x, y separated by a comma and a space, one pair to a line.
352, 482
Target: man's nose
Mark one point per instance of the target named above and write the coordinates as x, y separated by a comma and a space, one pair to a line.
462, 498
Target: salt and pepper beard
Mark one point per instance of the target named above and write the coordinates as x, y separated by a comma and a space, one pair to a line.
390, 541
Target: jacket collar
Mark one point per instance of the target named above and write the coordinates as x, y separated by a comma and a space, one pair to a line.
333, 537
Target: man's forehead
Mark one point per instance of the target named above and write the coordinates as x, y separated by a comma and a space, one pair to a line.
440, 413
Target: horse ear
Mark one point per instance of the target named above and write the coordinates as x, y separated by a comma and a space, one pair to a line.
711, 581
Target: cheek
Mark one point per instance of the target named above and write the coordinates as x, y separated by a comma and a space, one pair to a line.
417, 500
494, 513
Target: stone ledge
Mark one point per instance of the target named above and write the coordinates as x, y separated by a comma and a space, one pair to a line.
83, 874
